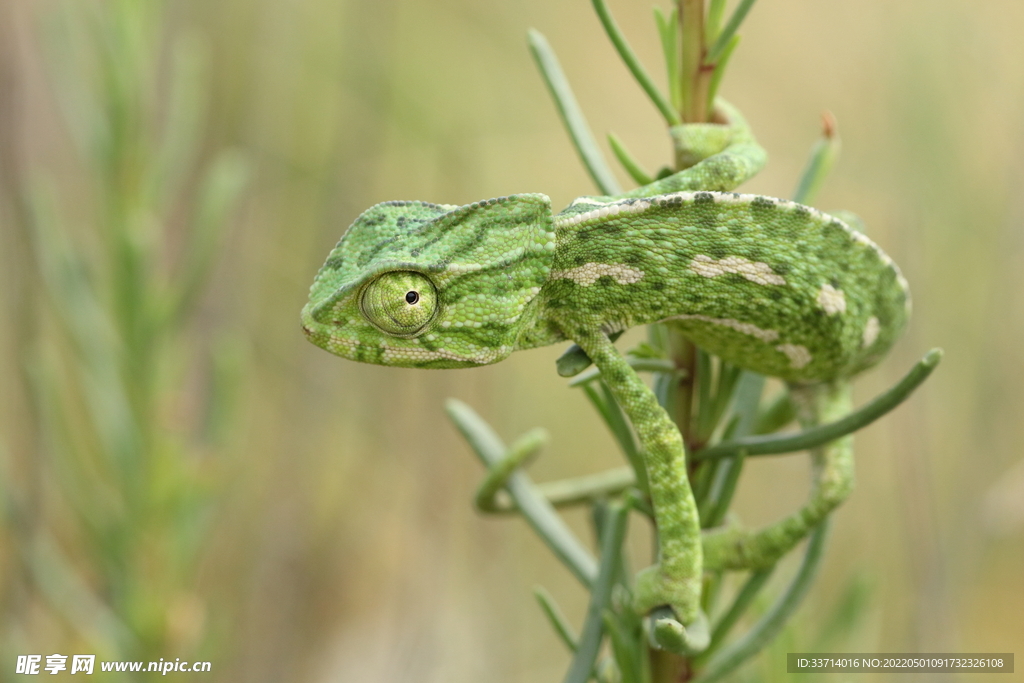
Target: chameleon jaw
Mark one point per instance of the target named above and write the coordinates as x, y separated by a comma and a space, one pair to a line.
406, 353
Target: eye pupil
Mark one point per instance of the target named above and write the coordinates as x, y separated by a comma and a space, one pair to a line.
400, 303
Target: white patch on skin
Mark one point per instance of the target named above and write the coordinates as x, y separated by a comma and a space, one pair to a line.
831, 299
739, 326
755, 271
635, 206
871, 330
462, 267
630, 206
798, 355
481, 356
861, 238
391, 353
588, 273
905, 286
591, 201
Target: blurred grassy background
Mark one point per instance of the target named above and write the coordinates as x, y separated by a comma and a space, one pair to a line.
312, 517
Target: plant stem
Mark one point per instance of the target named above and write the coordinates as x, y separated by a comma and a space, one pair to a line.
536, 510
694, 87
695, 78
572, 116
668, 668
600, 594
727, 659
773, 444
684, 355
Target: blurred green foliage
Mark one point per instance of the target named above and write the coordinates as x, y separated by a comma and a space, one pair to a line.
184, 476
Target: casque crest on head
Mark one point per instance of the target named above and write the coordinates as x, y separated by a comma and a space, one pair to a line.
428, 285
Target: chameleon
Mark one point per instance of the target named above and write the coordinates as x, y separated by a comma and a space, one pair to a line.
769, 285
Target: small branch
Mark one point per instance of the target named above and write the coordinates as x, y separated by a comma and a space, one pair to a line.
684, 356
713, 23
633, 63
575, 491
769, 626
668, 30
779, 413
694, 82
823, 157
571, 115
816, 436
575, 360
638, 364
739, 605
628, 161
593, 629
619, 426
722, 491
537, 511
723, 38
719, 70
556, 618
519, 453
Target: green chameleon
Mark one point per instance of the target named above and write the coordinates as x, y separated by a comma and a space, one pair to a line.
769, 285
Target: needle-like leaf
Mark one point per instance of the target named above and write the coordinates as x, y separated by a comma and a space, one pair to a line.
572, 115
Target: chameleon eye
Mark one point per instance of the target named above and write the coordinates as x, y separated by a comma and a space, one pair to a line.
400, 303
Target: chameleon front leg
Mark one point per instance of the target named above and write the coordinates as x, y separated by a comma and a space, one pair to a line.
676, 579
738, 549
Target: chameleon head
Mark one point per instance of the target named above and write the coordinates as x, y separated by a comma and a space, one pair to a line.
424, 285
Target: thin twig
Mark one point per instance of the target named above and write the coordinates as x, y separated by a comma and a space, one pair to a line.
572, 116
816, 436
536, 510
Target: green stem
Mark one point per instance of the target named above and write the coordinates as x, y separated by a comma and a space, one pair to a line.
779, 413
557, 619
593, 629
739, 605
575, 491
816, 436
769, 626
633, 63
575, 360
718, 71
519, 453
722, 491
628, 161
617, 423
537, 511
723, 38
684, 356
638, 364
668, 30
823, 157
694, 76
572, 116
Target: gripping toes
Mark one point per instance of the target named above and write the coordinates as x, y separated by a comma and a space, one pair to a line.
677, 623
654, 588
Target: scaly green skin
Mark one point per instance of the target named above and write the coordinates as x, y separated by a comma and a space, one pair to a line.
769, 285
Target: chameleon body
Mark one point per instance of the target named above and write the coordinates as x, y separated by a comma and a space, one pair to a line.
769, 285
